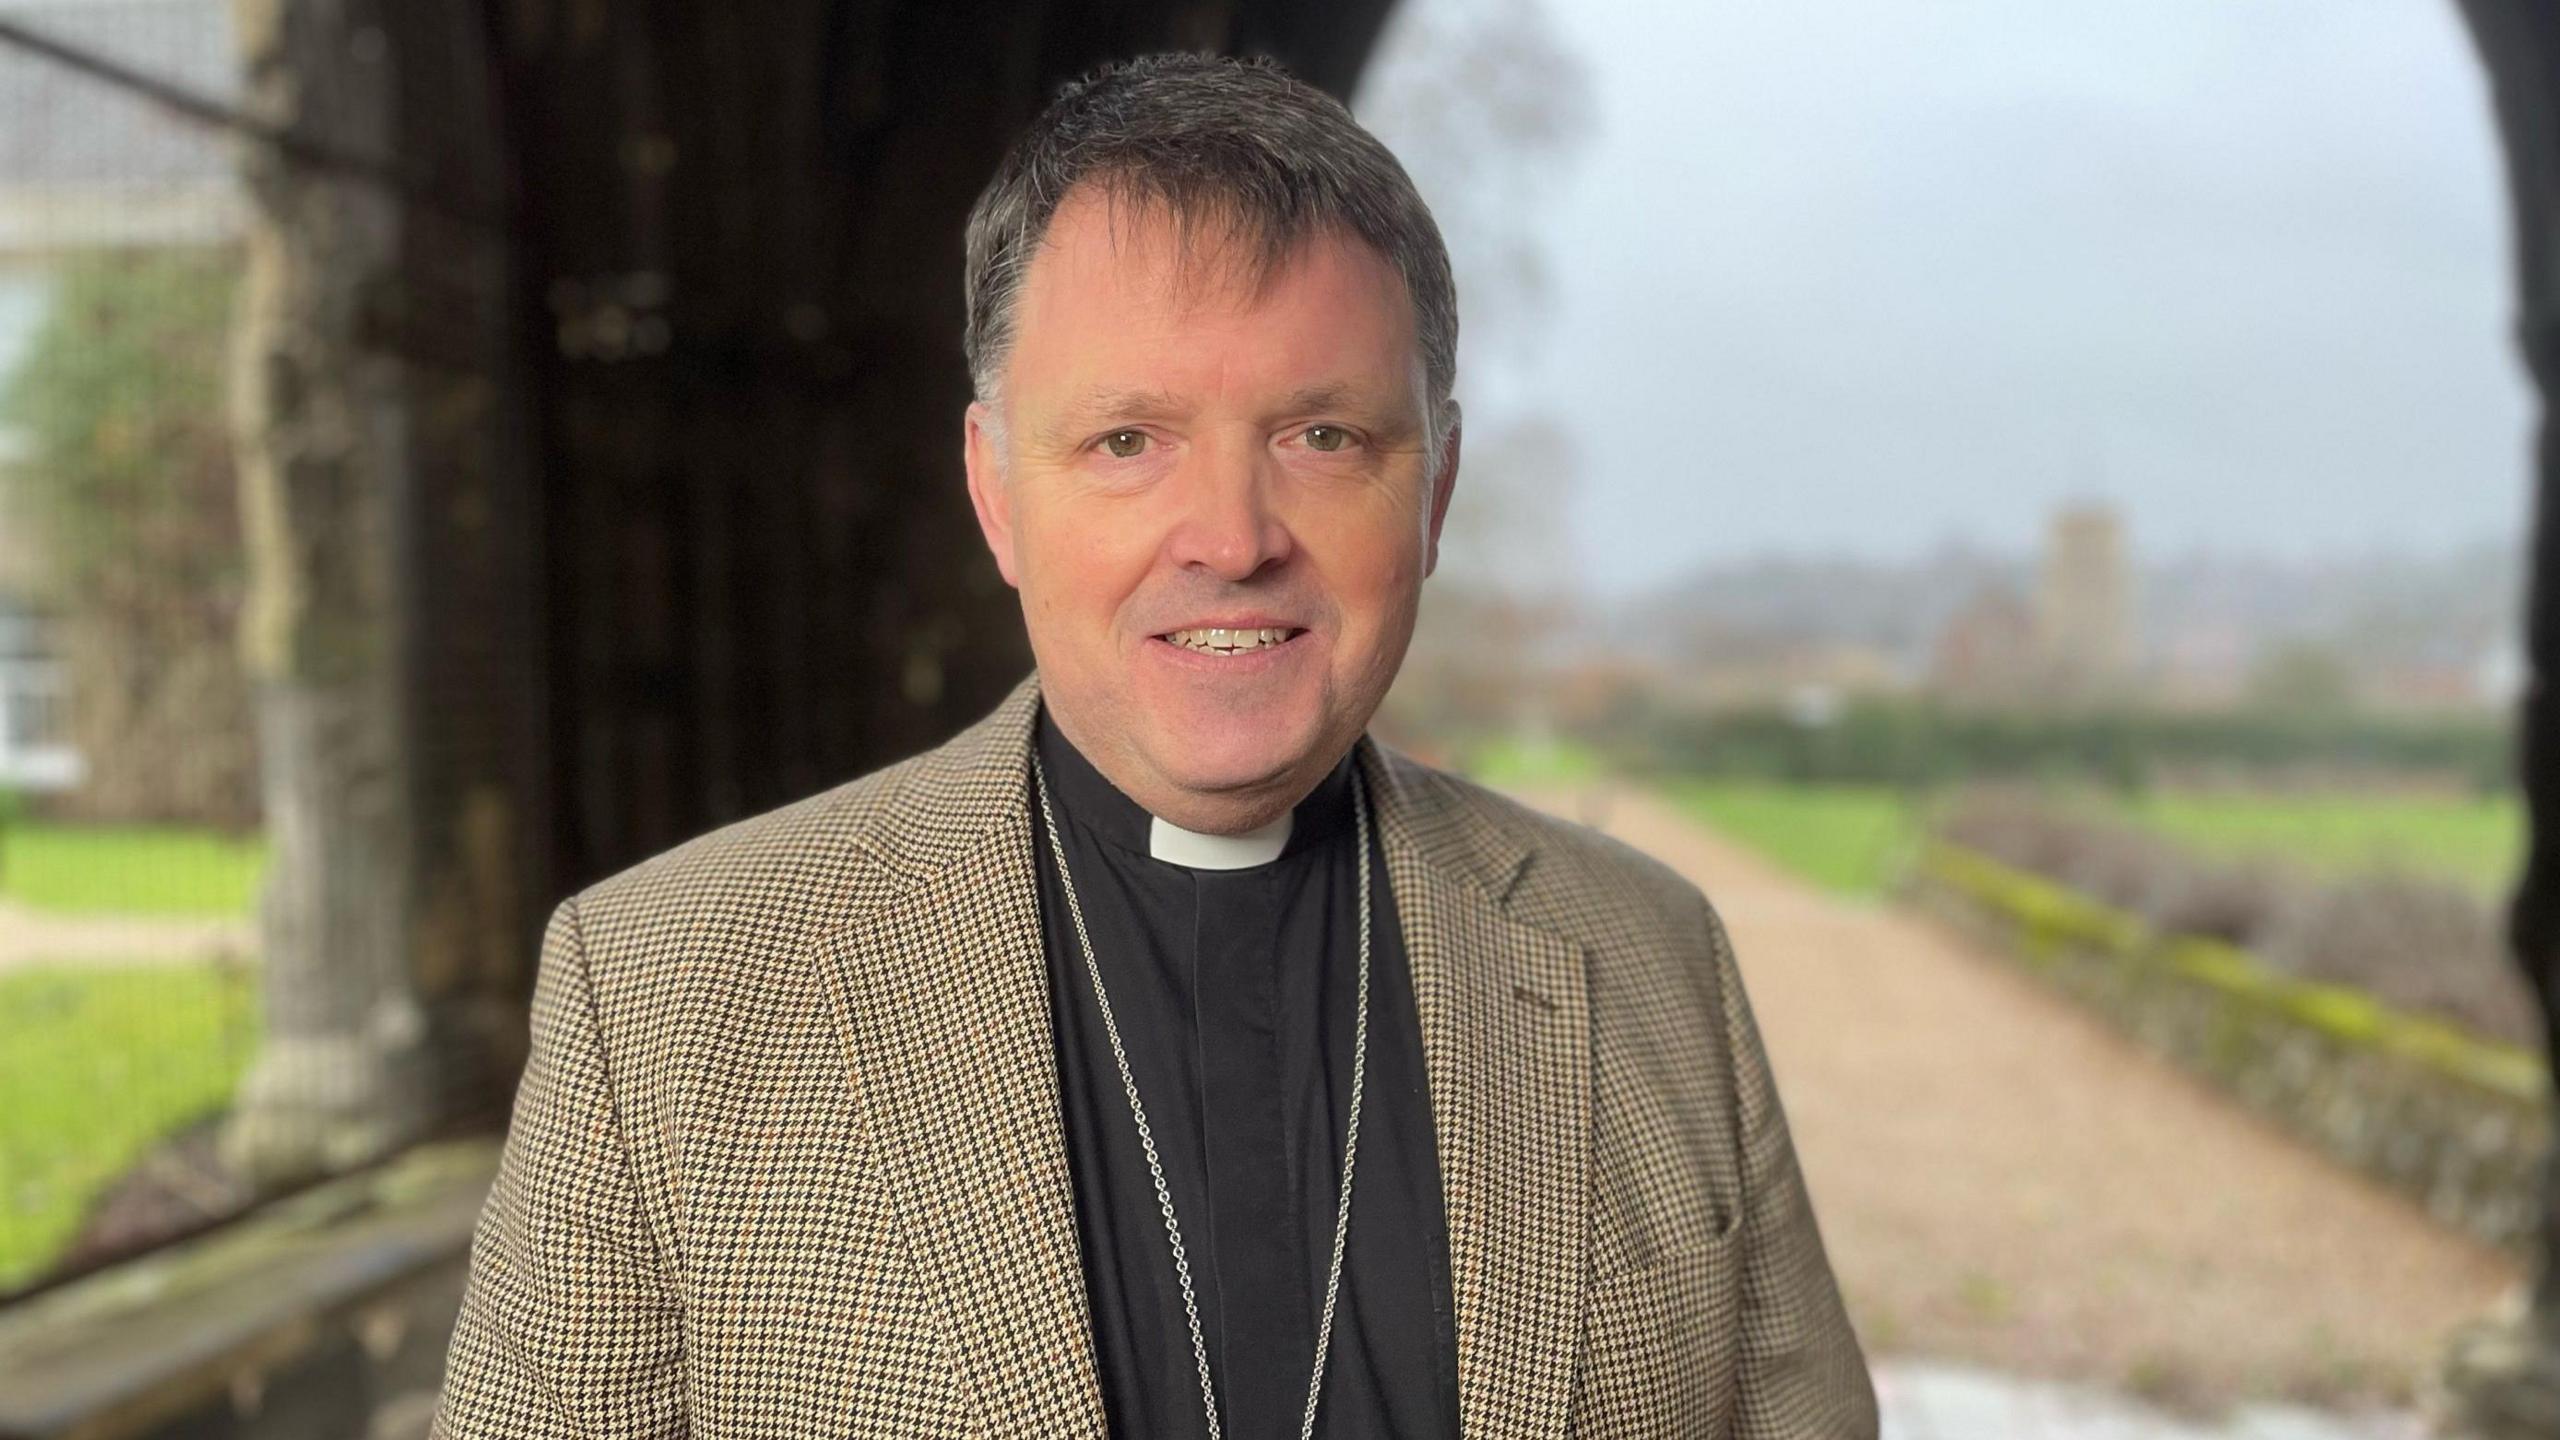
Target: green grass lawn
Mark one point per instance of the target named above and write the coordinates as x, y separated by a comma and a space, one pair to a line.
2475, 841
128, 869
1849, 839
96, 1064
1531, 762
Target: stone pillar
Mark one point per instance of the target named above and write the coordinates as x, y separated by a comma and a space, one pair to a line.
2501, 1376
320, 420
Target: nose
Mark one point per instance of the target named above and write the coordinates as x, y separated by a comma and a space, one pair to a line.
1228, 527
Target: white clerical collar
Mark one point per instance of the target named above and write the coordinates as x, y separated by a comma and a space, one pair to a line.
1088, 799
1171, 843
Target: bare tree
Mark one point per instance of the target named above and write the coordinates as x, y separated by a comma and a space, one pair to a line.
1485, 104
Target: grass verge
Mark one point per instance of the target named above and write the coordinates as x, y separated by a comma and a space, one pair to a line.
1848, 839
96, 1064
128, 869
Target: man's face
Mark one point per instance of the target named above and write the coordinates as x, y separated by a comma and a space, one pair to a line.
1195, 457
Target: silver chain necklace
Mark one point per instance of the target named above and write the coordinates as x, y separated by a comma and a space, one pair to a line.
1147, 1139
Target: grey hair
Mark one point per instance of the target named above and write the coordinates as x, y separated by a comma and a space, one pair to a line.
1210, 137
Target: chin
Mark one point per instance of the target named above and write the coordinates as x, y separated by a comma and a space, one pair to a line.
1212, 758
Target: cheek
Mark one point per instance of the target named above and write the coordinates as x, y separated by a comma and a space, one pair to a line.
1374, 571
1077, 564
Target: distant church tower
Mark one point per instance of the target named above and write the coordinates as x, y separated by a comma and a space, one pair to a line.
2084, 602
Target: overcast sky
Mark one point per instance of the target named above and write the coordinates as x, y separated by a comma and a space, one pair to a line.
1864, 275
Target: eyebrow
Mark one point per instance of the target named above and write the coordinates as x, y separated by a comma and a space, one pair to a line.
1332, 395
1107, 402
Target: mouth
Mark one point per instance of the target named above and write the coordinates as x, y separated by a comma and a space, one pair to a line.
1223, 640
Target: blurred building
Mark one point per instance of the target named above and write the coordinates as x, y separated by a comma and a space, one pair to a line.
1704, 663
36, 753
2203, 665
2084, 623
1986, 654
85, 172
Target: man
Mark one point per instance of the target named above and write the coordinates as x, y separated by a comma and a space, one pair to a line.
1162, 1056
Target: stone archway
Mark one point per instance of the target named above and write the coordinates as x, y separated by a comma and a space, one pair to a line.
2503, 1377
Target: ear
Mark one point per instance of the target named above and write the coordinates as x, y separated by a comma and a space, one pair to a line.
1443, 487
987, 492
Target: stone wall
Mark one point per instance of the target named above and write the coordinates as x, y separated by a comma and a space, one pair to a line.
2460, 1123
324, 1316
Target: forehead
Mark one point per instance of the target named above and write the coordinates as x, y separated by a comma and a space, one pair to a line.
1120, 287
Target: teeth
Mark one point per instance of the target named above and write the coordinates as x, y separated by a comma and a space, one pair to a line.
1218, 640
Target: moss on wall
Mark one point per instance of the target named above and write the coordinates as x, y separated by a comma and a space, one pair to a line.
2459, 1121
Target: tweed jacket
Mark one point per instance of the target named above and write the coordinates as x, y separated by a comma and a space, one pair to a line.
787, 1160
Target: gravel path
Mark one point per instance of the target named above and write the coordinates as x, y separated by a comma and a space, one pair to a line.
2004, 1182
37, 937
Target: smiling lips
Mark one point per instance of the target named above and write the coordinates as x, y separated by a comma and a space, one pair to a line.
1221, 640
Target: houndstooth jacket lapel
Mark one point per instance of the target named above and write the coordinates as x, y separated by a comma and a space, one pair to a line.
1506, 1042
940, 992
942, 995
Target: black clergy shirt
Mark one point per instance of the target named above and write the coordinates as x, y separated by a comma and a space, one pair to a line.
1235, 992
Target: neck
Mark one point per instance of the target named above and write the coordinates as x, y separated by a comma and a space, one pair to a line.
1088, 792
1244, 811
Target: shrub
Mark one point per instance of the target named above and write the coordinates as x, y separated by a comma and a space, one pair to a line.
2416, 943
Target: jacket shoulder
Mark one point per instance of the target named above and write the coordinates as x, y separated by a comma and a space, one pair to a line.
812, 863
799, 867
1577, 879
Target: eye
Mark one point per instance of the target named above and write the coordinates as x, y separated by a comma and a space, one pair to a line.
1125, 444
1327, 438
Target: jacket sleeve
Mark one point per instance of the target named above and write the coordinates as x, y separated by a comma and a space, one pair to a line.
569, 1323
1800, 1373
